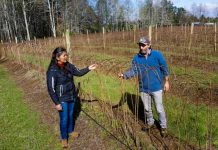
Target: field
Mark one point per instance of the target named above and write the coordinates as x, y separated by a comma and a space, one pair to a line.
191, 104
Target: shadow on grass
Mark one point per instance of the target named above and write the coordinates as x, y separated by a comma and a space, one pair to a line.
135, 105
78, 105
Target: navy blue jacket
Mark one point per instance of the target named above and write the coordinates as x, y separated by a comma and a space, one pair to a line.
150, 71
60, 83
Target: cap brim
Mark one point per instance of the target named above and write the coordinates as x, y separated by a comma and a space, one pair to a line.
143, 43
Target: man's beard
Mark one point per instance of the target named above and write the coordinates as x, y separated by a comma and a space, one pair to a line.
143, 52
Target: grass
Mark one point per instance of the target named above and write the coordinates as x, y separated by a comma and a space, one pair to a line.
20, 128
194, 123
198, 76
105, 87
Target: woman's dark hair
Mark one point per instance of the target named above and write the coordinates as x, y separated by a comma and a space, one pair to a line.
56, 53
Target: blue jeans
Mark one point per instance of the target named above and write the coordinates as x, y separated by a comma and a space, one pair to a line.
147, 101
66, 119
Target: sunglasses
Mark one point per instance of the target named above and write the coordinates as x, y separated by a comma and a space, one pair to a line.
143, 45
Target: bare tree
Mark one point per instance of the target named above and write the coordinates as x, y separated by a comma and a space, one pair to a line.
198, 10
14, 18
6, 19
25, 19
51, 10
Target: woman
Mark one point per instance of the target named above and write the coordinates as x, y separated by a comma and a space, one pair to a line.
61, 88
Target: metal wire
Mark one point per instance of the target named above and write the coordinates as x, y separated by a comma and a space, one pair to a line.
116, 138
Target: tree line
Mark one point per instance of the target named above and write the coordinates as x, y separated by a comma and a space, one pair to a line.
26, 19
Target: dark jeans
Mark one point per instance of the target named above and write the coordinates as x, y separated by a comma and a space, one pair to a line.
66, 119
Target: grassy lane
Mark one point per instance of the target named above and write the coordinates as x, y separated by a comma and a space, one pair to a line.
20, 128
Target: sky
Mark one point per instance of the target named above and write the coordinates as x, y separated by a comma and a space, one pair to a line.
210, 5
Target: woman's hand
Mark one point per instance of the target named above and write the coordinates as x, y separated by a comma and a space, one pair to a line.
58, 107
93, 66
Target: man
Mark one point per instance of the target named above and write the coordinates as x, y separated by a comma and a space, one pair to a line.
151, 69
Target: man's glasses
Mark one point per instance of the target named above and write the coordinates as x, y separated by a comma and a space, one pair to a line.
143, 45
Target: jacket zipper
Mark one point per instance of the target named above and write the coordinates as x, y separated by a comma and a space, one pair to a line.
61, 90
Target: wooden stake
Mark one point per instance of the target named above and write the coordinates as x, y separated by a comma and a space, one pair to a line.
171, 28
215, 38
156, 33
192, 28
87, 32
68, 43
123, 34
150, 32
103, 37
134, 30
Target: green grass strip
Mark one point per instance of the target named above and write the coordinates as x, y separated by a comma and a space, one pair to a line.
197, 124
198, 76
20, 128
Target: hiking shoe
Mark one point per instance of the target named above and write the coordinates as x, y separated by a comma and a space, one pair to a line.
163, 132
74, 135
147, 127
64, 143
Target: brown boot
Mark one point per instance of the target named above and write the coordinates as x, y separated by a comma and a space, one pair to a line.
163, 132
74, 135
64, 143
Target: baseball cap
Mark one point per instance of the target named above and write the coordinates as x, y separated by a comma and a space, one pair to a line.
144, 40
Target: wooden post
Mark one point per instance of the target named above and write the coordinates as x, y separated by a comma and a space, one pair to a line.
192, 28
215, 38
189, 47
68, 43
156, 33
123, 34
171, 28
68, 40
150, 32
103, 37
190, 40
87, 32
134, 30
205, 31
